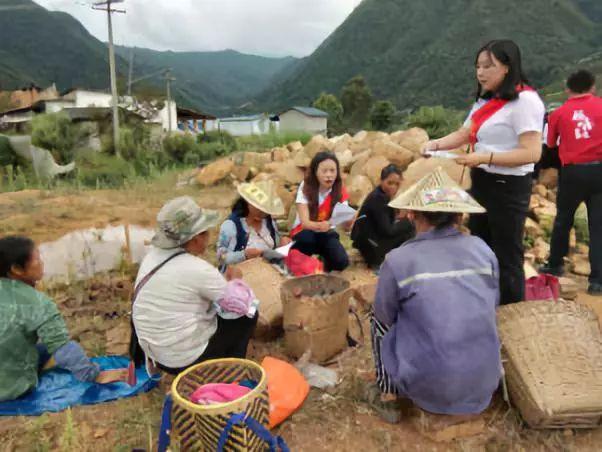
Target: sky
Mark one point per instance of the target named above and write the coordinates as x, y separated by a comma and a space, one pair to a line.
261, 27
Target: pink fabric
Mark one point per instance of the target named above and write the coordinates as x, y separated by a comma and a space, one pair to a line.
542, 287
213, 393
237, 297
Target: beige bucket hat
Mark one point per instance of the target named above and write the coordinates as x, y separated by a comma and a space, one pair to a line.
263, 196
436, 192
180, 220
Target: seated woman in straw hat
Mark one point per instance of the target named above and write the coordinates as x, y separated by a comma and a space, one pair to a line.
174, 311
434, 330
250, 230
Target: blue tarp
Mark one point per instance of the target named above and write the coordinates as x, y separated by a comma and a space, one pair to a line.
58, 390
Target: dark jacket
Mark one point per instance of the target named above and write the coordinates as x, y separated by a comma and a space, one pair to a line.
377, 230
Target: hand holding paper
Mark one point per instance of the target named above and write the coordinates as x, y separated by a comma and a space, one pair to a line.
342, 213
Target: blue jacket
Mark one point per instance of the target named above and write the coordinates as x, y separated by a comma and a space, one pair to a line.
438, 293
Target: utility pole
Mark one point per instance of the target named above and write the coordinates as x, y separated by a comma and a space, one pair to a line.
168, 80
106, 6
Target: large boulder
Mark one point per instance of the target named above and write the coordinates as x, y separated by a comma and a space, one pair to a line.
280, 154
358, 188
287, 171
395, 153
423, 166
345, 158
301, 159
412, 139
215, 172
252, 159
317, 144
358, 166
374, 166
241, 172
294, 146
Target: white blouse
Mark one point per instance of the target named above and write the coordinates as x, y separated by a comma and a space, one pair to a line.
501, 131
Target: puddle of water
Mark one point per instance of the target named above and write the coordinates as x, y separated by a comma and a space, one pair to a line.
82, 254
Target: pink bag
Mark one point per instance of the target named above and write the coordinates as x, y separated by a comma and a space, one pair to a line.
213, 393
542, 287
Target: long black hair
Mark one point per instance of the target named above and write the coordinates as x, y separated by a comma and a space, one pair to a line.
14, 252
508, 53
311, 185
241, 208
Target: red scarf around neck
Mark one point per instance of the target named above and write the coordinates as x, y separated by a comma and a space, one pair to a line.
487, 111
324, 210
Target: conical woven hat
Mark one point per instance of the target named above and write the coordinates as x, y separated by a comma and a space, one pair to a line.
263, 196
436, 192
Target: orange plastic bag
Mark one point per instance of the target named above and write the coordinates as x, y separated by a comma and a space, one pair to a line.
287, 389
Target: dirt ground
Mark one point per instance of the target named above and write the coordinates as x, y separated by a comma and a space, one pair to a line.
96, 312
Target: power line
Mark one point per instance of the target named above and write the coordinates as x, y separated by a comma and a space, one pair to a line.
107, 7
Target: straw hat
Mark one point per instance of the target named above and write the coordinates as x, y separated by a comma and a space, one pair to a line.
181, 219
263, 196
436, 192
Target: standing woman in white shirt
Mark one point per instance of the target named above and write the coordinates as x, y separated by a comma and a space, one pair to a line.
504, 130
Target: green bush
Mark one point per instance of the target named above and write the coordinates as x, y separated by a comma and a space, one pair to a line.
56, 133
102, 170
134, 141
437, 121
7, 154
177, 146
271, 140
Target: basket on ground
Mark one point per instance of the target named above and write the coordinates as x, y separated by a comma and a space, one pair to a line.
553, 363
198, 427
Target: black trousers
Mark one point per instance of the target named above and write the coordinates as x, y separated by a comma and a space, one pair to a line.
229, 341
327, 245
577, 184
374, 250
506, 199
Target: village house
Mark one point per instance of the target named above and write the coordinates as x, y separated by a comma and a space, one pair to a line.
304, 119
245, 125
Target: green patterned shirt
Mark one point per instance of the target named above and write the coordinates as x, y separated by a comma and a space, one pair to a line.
26, 318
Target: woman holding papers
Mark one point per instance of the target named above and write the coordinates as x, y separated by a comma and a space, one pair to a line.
504, 131
250, 230
321, 205
377, 229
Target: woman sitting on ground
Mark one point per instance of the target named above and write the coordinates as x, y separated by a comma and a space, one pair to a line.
34, 335
317, 197
250, 229
434, 330
378, 228
177, 293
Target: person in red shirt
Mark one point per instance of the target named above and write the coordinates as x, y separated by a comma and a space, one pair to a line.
577, 126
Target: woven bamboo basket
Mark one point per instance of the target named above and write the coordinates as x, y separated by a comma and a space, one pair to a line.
553, 363
198, 427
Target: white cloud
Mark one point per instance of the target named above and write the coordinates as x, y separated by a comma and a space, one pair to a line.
265, 27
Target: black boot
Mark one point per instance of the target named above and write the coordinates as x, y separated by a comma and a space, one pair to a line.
555, 270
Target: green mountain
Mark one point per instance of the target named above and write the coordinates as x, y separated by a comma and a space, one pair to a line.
40, 46
219, 82
422, 52
44, 47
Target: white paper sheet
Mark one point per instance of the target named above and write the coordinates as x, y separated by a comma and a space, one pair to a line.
443, 154
342, 213
283, 250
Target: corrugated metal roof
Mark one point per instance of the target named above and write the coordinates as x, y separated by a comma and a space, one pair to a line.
309, 111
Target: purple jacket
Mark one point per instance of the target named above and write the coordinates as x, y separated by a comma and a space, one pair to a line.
438, 293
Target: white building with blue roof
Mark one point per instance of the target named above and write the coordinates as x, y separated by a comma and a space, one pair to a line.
304, 119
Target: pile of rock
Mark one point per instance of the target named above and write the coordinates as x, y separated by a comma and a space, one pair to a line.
361, 157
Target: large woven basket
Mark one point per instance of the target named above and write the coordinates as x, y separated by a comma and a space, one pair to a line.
198, 427
553, 363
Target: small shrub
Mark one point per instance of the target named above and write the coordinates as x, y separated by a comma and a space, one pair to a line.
56, 133
437, 121
271, 140
103, 170
7, 154
178, 146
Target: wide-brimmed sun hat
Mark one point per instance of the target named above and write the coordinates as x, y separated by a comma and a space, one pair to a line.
437, 192
180, 220
263, 196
